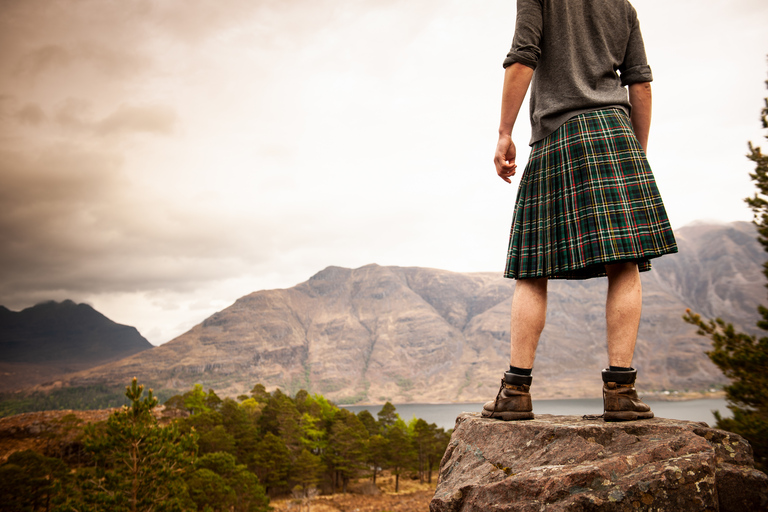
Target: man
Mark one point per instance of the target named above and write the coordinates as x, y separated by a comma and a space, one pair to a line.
587, 205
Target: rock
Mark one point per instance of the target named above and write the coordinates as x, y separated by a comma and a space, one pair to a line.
559, 463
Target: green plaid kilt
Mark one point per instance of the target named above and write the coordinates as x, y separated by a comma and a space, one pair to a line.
587, 198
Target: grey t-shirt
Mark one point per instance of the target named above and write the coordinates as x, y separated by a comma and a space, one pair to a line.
584, 53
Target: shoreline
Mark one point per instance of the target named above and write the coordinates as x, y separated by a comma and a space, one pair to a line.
654, 396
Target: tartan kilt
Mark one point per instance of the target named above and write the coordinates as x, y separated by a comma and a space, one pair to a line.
587, 197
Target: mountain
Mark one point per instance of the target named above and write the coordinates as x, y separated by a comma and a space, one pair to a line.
55, 338
425, 335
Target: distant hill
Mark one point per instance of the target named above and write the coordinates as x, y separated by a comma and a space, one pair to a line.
424, 335
53, 338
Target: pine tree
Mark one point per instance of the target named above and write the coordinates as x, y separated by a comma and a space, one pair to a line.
367, 419
423, 435
437, 448
743, 358
401, 452
377, 453
221, 484
271, 461
307, 472
346, 446
30, 481
387, 416
240, 423
140, 465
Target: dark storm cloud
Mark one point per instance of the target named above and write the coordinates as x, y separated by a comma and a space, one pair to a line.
71, 220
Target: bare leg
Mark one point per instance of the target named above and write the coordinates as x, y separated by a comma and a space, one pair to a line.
529, 312
622, 311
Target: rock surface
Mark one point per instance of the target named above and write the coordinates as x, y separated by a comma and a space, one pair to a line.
567, 463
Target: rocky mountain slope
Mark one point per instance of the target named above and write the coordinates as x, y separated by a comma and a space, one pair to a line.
55, 338
424, 335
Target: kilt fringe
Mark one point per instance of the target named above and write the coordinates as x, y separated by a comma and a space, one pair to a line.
587, 197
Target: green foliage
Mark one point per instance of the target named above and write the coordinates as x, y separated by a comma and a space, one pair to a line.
239, 423
743, 358
196, 401
219, 483
378, 451
259, 393
224, 454
313, 436
30, 481
367, 419
80, 398
387, 416
281, 417
401, 453
347, 446
140, 465
272, 462
309, 469
210, 491
216, 440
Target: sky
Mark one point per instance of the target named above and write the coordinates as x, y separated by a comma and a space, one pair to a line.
160, 159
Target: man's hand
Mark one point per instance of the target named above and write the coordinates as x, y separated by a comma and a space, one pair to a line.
505, 158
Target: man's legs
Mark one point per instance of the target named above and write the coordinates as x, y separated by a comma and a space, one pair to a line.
622, 314
529, 312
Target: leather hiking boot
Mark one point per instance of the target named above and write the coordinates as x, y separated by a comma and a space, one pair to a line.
620, 400
513, 401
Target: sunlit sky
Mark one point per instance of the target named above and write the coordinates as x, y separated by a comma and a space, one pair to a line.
160, 159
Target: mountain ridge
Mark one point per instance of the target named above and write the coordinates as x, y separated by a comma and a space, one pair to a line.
56, 337
411, 334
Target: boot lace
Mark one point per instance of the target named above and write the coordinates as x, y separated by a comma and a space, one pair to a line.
496, 401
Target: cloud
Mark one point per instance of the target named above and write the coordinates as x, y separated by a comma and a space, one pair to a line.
76, 114
72, 220
72, 114
30, 114
158, 119
42, 59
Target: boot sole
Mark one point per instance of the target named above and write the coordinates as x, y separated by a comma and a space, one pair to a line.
627, 415
508, 415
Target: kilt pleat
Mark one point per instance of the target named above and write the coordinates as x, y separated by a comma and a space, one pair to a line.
587, 197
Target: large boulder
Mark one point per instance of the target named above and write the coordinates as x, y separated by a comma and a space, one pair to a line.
558, 463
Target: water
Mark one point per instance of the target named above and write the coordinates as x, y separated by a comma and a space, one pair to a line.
444, 415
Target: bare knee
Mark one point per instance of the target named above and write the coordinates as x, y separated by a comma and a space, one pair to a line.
621, 270
535, 285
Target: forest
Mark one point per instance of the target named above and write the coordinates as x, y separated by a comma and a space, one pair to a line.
204, 453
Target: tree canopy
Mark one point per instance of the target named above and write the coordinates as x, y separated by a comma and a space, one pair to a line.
214, 454
743, 357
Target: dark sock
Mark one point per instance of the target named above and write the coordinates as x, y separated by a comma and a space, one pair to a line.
620, 369
520, 371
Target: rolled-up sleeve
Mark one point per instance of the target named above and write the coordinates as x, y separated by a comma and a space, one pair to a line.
528, 27
635, 67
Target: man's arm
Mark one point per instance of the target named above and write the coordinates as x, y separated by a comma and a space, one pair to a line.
640, 99
517, 78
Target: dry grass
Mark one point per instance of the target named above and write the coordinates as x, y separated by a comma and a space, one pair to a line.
413, 497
